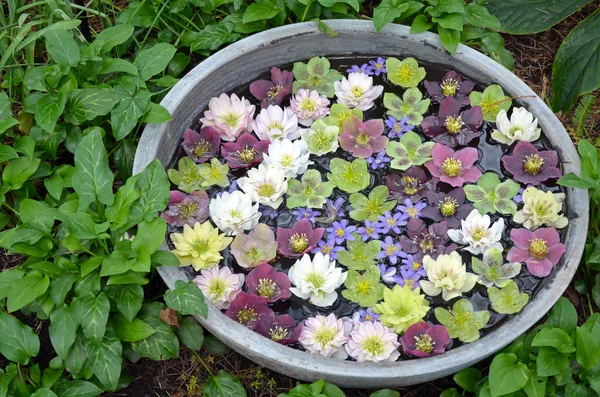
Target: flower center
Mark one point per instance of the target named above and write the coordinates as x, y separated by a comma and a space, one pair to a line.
278, 333
266, 287
448, 206
426, 244
391, 222
215, 172
533, 164
191, 175
411, 185
369, 231
424, 343
341, 117
538, 248
368, 317
374, 345
326, 249
452, 167
200, 148
287, 160
216, 286
390, 249
247, 315
397, 127
478, 233
405, 72
412, 212
357, 91
199, 247
266, 190
325, 336
247, 154
416, 265
274, 91
462, 318
316, 279
453, 124
308, 104
321, 140
362, 139
232, 119
340, 232
449, 87
187, 209
364, 287
254, 254
299, 242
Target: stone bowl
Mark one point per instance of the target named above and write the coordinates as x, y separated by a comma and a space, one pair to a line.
244, 61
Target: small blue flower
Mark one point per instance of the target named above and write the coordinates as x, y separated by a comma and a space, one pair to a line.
306, 213
412, 264
397, 128
358, 69
365, 315
268, 211
409, 277
340, 231
378, 161
412, 210
334, 209
370, 230
519, 197
390, 250
378, 66
327, 248
389, 222
388, 274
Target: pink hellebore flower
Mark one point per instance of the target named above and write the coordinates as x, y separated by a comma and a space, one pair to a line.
531, 166
298, 240
273, 92
221, 286
309, 106
245, 152
540, 249
281, 329
363, 139
201, 146
248, 309
424, 340
267, 282
373, 342
255, 248
454, 168
186, 209
229, 115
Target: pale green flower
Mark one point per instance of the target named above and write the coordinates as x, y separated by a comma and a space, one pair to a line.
402, 307
541, 209
508, 299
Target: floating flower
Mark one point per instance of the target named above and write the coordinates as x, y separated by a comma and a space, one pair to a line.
364, 315
273, 92
521, 127
341, 231
321, 138
508, 299
371, 230
409, 277
269, 212
359, 255
373, 342
405, 73
309, 106
363, 139
275, 123
248, 309
308, 191
414, 263
265, 184
492, 270
412, 210
234, 212
426, 240
541, 208
531, 166
214, 173
186, 209
452, 85
389, 222
389, 274
245, 152
229, 115
316, 75
454, 168
377, 66
462, 321
316, 280
220, 286
391, 250
540, 250
425, 340
339, 113
401, 307
187, 175
328, 247
325, 336
357, 91
306, 213
199, 246
364, 68
267, 282
398, 127
411, 106
255, 248
491, 101
371, 207
411, 184
351, 177
447, 275
478, 233
364, 289
298, 240
281, 329
201, 146
291, 157
490, 195
451, 126
449, 207
409, 151
378, 161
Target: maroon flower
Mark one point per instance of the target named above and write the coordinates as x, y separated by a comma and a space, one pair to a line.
430, 240
282, 329
248, 309
411, 184
298, 240
267, 282
531, 166
424, 340
452, 85
186, 209
245, 152
202, 146
450, 207
273, 92
363, 139
451, 126
452, 167
540, 249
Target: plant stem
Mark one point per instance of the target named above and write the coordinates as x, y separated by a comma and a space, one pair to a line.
203, 363
306, 10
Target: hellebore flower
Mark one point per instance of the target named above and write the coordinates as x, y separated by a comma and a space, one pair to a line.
401, 307
309, 191
316, 279
454, 168
201, 146
265, 185
309, 106
187, 176
406, 73
531, 166
291, 157
357, 91
255, 248
200, 246
447, 275
363, 139
451, 126
298, 240
351, 177
281, 329
371, 230
364, 315
245, 152
214, 173
424, 340
388, 222
411, 184
275, 123
321, 138
267, 282
325, 336
412, 210
186, 209
490, 195
359, 255
328, 247
409, 151
462, 321
229, 116
508, 299
364, 289
478, 233
220, 286
341, 231
233, 212
491, 100
521, 127
411, 106
378, 161
391, 250
339, 113
306, 213
541, 208
248, 309
449, 207
398, 127
315, 75
540, 250
492, 270
371, 207
275, 91
373, 342
377, 66
452, 85
430, 240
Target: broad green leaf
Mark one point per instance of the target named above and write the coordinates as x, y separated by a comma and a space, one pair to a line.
468, 378
62, 47
556, 338
82, 226
507, 375
186, 298
107, 360
420, 24
49, 141
154, 60
44, 392
129, 298
113, 36
550, 362
60, 286
161, 345
18, 342
588, 352
149, 236
125, 115
78, 355
116, 65
154, 184
261, 9
88, 103
88, 285
385, 393
190, 333
123, 156
156, 114
26, 290
224, 385
450, 38
49, 108
563, 315
479, 16
130, 331
165, 258
76, 388
93, 313
118, 212
8, 278
63, 329
17, 171
210, 38
590, 160
387, 11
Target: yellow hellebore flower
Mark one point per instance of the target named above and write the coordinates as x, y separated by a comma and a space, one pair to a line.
401, 307
200, 246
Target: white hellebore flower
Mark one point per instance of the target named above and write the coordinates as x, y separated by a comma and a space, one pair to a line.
447, 275
221, 286
265, 184
373, 342
477, 234
316, 280
233, 212
357, 91
325, 336
541, 208
309, 106
275, 123
230, 116
291, 157
520, 127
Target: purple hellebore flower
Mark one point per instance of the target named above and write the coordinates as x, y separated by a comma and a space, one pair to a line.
430, 240
299, 239
248, 309
281, 329
388, 222
201, 146
412, 210
255, 248
273, 92
529, 165
186, 209
379, 160
424, 340
340, 231
363, 139
452, 85
245, 152
364, 68
540, 249
411, 184
328, 247
454, 168
451, 126
409, 277
388, 274
362, 316
377, 66
398, 127
390, 250
370, 230
450, 207
306, 213
267, 282
269, 212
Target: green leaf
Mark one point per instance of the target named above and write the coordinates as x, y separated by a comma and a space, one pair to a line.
26, 290
149, 236
588, 352
224, 385
107, 361
210, 38
7, 153
449, 21
161, 345
259, 10
76, 388
563, 315
331, 390
164, 258
44, 392
479, 16
385, 393
125, 115
576, 64
468, 378
17, 171
550, 362
450, 38
129, 298
18, 341
112, 37
88, 103
420, 24
154, 60
63, 330
590, 160
387, 11
118, 212
190, 333
8, 278
49, 108
507, 375
556, 338
61, 286
214, 346
62, 47
154, 184
156, 114
187, 299
116, 65
130, 331
93, 310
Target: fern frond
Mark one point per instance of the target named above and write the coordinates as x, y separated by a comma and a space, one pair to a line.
582, 113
